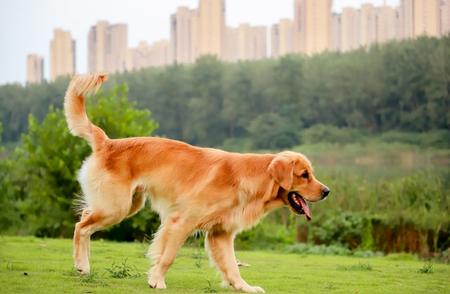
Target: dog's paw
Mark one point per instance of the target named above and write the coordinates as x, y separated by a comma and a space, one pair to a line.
249, 289
83, 271
157, 283
253, 289
82, 268
242, 264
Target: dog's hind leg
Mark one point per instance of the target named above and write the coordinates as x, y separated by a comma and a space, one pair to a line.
138, 202
115, 206
219, 245
170, 237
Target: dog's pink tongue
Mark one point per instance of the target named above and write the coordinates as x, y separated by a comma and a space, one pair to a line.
305, 208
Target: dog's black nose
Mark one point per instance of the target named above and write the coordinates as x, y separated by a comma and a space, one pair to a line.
325, 192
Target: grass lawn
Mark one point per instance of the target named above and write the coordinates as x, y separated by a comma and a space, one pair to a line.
33, 265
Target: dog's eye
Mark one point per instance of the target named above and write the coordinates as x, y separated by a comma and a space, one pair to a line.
305, 175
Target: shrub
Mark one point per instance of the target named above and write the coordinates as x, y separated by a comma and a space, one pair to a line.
42, 177
343, 228
331, 134
426, 269
303, 248
435, 139
122, 270
356, 267
272, 131
338, 249
266, 235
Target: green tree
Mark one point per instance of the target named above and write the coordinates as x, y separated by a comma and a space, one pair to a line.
45, 165
9, 214
1, 131
205, 123
171, 96
288, 88
271, 131
437, 89
398, 86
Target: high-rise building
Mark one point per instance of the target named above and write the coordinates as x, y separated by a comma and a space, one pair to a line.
116, 56
145, 55
259, 43
195, 34
299, 16
107, 47
139, 57
231, 53
406, 11
97, 47
350, 29
427, 18
387, 23
336, 27
211, 24
246, 42
282, 38
367, 25
275, 41
62, 54
420, 17
160, 53
183, 27
398, 23
445, 18
35, 69
312, 26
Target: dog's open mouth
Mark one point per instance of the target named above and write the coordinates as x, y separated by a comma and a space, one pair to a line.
299, 204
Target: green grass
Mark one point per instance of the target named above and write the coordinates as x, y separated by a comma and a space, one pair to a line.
33, 265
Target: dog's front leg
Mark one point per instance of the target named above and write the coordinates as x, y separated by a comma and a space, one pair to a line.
220, 246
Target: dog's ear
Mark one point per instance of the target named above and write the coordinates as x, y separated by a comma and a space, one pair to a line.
281, 168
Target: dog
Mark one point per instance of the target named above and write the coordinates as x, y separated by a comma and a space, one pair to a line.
191, 188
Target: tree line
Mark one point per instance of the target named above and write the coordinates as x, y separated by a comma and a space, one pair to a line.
400, 86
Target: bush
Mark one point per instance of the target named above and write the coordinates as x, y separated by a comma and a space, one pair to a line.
331, 134
9, 212
42, 177
318, 249
435, 139
266, 235
272, 131
343, 228
305, 248
237, 145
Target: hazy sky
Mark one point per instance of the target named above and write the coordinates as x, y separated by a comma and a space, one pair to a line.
26, 26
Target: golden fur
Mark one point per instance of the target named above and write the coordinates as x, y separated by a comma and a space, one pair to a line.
191, 188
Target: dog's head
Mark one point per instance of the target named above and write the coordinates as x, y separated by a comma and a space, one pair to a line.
294, 174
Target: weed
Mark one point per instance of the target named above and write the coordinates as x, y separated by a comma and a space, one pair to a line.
401, 256
9, 266
123, 270
210, 288
330, 286
302, 248
198, 257
89, 279
426, 269
356, 267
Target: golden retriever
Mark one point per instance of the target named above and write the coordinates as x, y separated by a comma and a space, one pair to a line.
191, 188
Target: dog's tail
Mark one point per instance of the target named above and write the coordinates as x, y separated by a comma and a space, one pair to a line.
75, 109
